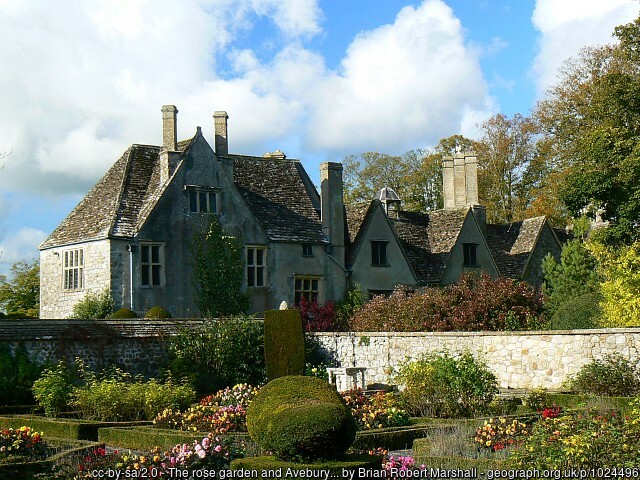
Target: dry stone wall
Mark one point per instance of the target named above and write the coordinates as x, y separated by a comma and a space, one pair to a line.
520, 360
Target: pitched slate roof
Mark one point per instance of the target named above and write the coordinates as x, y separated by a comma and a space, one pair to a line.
119, 203
281, 197
511, 244
428, 239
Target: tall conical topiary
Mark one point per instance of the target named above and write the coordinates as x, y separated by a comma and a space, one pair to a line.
283, 343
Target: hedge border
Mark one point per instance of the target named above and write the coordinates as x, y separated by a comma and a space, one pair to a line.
80, 450
67, 428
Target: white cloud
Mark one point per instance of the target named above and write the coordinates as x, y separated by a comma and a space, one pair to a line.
22, 245
401, 85
568, 25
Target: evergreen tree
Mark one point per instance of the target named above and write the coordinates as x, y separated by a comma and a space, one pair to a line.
218, 269
575, 275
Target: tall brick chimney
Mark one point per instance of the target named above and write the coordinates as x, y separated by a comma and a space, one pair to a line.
169, 156
332, 206
220, 128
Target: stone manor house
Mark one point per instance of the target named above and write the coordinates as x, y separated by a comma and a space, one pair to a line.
131, 233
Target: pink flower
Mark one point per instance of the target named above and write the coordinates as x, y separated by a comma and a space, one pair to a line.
217, 448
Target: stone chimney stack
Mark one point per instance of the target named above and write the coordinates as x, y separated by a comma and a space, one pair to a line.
460, 180
332, 206
222, 139
448, 187
169, 128
169, 156
460, 185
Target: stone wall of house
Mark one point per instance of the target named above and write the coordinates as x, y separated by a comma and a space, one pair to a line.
518, 359
55, 301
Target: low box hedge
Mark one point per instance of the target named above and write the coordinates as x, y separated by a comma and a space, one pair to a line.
270, 467
145, 438
67, 428
392, 438
568, 400
68, 452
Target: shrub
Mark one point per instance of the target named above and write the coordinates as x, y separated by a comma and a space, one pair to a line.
612, 376
441, 385
52, 389
157, 312
94, 306
476, 303
498, 434
537, 399
318, 318
578, 313
283, 343
205, 418
219, 353
17, 374
124, 313
378, 411
119, 397
349, 305
581, 440
241, 394
22, 442
301, 418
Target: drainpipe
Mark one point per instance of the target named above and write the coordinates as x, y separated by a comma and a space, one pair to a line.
131, 248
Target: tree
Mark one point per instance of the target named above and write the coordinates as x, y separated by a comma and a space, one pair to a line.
509, 168
591, 124
20, 294
95, 306
416, 175
575, 275
218, 269
621, 285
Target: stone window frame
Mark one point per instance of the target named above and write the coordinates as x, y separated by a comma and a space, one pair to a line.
307, 287
379, 254
256, 270
197, 195
73, 269
152, 265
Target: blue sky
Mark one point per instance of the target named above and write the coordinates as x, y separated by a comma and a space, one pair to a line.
318, 79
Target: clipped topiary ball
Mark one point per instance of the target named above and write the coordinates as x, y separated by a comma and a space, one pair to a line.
157, 312
301, 419
124, 313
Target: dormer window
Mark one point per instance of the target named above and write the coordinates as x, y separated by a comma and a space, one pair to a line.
203, 200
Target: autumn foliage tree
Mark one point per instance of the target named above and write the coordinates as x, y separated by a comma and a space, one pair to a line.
621, 285
591, 126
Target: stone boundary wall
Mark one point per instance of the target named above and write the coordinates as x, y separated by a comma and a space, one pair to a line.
136, 345
520, 360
